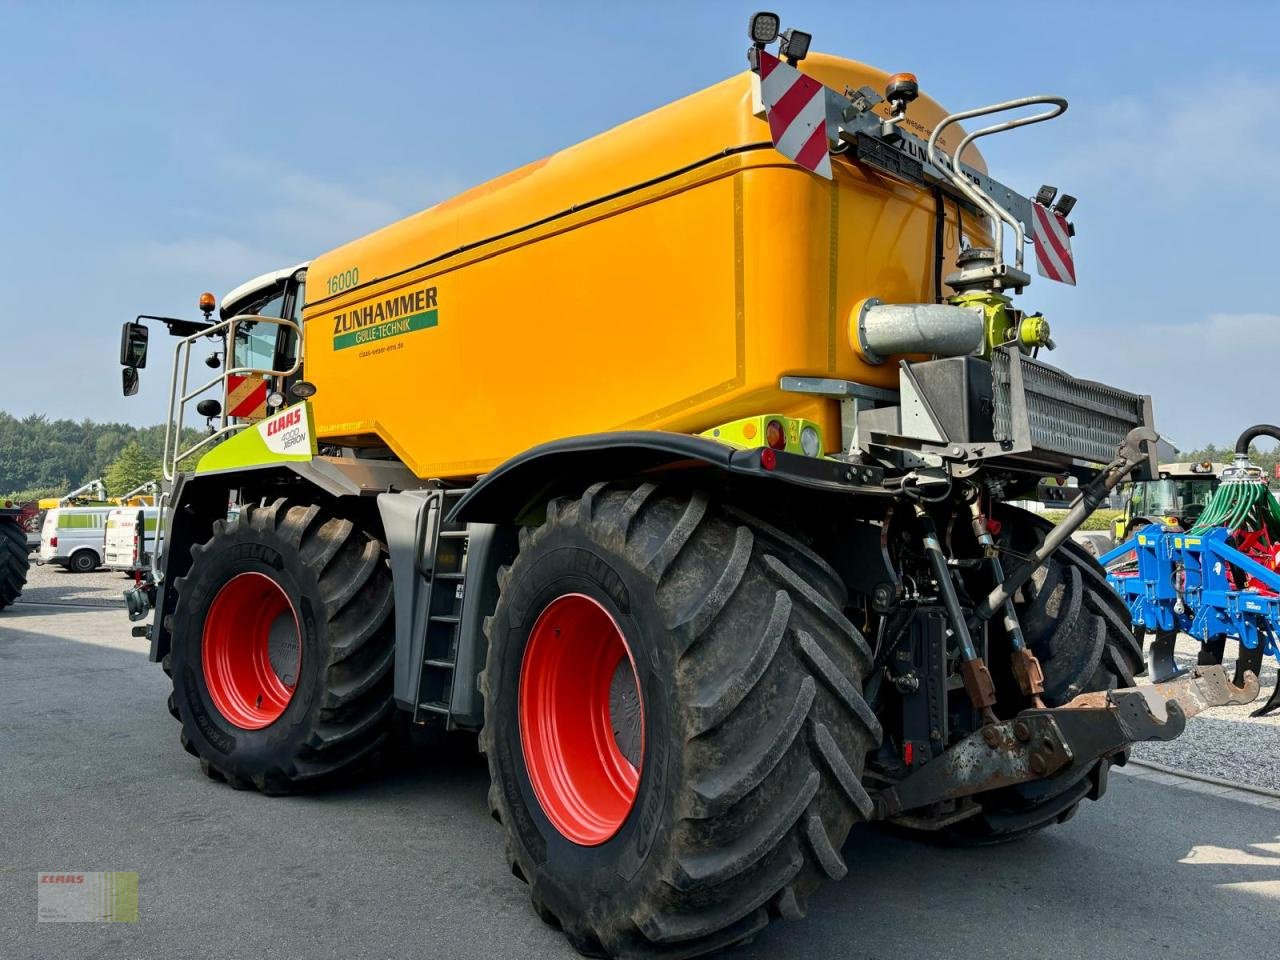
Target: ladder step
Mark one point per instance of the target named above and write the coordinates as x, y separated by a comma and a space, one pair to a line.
435, 706
453, 534
440, 664
450, 575
440, 618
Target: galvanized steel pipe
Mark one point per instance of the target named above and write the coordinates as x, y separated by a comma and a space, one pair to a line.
881, 330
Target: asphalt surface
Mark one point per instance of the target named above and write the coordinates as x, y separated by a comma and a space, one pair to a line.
410, 864
51, 584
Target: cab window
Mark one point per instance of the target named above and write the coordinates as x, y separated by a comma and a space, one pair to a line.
256, 342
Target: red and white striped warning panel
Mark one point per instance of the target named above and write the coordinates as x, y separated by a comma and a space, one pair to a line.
1053, 245
246, 396
797, 109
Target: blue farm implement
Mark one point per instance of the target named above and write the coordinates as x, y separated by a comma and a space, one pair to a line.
1216, 582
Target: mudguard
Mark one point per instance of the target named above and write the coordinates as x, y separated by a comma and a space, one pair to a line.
519, 487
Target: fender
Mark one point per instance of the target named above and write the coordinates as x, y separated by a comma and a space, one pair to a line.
200, 499
518, 488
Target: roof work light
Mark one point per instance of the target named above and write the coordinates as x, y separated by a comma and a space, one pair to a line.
763, 28
795, 45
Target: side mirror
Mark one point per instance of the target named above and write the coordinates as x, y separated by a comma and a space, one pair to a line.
133, 345
130, 379
209, 408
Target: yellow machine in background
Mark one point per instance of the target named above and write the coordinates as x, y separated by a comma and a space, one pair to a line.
94, 494
676, 466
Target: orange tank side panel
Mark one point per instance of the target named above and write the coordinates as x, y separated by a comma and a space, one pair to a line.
677, 306
676, 313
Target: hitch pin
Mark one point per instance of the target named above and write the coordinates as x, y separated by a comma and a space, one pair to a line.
1026, 667
977, 678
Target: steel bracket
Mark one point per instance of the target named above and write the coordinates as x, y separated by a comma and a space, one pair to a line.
1042, 743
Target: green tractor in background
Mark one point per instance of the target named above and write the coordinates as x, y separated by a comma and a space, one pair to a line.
1175, 498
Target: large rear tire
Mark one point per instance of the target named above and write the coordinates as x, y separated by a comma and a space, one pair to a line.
283, 649
741, 723
1079, 629
13, 561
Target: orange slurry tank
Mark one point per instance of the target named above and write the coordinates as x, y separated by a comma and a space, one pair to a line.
663, 275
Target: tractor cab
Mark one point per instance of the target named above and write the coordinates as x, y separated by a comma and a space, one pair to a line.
254, 344
1174, 499
260, 347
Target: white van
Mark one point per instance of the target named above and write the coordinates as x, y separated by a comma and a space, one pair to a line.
123, 549
71, 537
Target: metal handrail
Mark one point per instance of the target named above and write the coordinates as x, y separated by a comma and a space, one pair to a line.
174, 422
180, 396
981, 198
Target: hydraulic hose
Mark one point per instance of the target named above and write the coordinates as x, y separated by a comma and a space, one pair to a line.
1243, 501
1258, 430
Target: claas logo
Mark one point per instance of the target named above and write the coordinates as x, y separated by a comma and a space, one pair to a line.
290, 418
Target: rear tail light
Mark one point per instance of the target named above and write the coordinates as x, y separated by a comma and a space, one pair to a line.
53, 541
775, 436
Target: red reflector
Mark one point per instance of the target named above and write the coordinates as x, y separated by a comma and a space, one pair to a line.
908, 753
768, 459
775, 436
993, 526
53, 541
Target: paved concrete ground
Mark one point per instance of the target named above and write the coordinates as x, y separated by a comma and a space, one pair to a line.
47, 583
410, 864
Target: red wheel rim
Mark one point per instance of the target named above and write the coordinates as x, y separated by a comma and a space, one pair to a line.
251, 651
579, 695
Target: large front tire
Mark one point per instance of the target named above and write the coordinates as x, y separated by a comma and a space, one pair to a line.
13, 561
751, 731
283, 648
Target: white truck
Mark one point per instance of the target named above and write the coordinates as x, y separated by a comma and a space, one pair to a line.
127, 545
72, 537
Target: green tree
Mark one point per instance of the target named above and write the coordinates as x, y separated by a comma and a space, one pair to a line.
132, 467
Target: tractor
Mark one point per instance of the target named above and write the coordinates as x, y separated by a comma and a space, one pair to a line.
1173, 499
675, 466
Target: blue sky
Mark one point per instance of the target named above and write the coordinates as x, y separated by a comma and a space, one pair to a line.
151, 151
